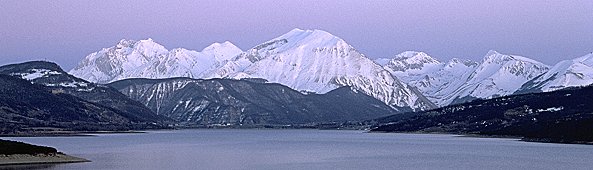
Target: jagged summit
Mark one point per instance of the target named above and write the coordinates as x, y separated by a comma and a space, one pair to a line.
412, 55
455, 61
412, 62
496, 57
461, 80
148, 59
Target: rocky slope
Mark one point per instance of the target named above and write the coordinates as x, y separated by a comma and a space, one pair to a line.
228, 102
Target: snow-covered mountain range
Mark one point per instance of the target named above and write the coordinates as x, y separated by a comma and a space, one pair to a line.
317, 61
458, 81
305, 60
147, 59
567, 73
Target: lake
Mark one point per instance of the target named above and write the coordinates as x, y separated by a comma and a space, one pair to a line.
308, 149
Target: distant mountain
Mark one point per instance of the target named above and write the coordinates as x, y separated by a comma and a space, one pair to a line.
58, 90
559, 116
315, 61
248, 102
567, 73
305, 60
147, 59
460, 81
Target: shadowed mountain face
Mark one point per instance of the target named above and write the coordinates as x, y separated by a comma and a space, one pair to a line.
558, 116
248, 102
25, 105
54, 78
42, 94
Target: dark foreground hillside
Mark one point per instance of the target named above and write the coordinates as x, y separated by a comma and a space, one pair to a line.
53, 78
561, 116
38, 97
26, 107
12, 147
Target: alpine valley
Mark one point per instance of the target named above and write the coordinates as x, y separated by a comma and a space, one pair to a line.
303, 77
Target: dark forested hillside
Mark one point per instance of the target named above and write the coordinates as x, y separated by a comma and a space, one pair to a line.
40, 96
54, 78
559, 116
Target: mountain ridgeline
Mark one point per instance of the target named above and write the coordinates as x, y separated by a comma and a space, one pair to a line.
305, 60
228, 102
317, 61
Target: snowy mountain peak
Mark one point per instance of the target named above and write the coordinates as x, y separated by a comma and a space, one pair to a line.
455, 61
125, 43
412, 60
492, 52
224, 45
409, 54
300, 33
415, 57
222, 51
496, 57
586, 59
317, 61
314, 38
567, 73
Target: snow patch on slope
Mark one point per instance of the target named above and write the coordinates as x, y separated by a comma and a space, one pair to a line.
33, 74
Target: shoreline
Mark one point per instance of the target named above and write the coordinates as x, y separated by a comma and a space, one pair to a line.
26, 159
518, 138
93, 133
68, 133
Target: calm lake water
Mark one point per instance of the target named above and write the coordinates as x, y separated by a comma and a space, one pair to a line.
309, 149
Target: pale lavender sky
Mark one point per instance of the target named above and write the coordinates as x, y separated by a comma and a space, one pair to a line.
67, 31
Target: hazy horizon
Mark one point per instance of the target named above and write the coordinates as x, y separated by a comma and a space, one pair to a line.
66, 31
